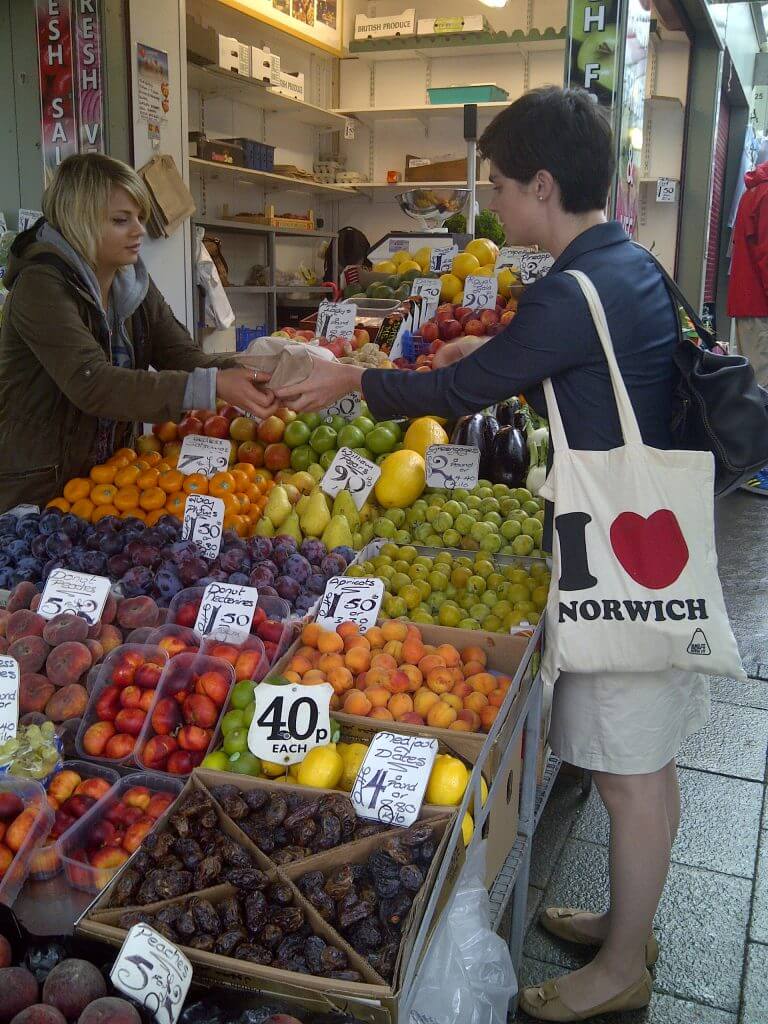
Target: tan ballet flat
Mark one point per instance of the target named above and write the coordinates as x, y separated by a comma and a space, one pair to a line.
543, 1002
559, 921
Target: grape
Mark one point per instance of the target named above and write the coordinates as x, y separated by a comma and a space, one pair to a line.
137, 582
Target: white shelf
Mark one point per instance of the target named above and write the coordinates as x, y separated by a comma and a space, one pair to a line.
248, 289
285, 288
262, 229
252, 289
405, 186
666, 99
423, 52
216, 82
369, 115
271, 182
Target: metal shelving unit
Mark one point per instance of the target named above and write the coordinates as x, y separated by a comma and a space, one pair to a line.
261, 229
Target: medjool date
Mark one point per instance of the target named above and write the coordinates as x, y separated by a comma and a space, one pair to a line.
253, 953
227, 941
291, 946
189, 851
125, 889
160, 845
312, 880
170, 884
323, 904
169, 916
255, 910
246, 878
132, 917
202, 941
196, 803
333, 959
207, 872
221, 793
281, 894
386, 887
180, 824
393, 911
305, 832
329, 834
234, 854
209, 818
417, 834
256, 798
271, 936
340, 883
290, 919
185, 925
147, 893
235, 807
366, 936
352, 914
313, 952
304, 812
398, 851
276, 812
204, 913
411, 877
230, 914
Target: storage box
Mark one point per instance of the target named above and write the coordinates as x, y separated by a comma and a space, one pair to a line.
447, 26
290, 84
385, 28
482, 93
215, 151
265, 65
258, 155
202, 42
444, 170
234, 56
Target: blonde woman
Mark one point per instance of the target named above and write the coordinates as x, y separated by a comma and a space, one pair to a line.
81, 326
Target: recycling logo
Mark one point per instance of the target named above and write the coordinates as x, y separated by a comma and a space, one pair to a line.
699, 643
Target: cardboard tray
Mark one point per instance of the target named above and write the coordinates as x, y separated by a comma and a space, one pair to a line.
443, 170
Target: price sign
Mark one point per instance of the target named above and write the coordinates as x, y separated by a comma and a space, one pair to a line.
351, 600
429, 289
441, 259
511, 256
75, 592
289, 721
480, 292
348, 406
452, 466
9, 697
27, 218
336, 320
350, 472
203, 523
153, 972
349, 129
206, 455
535, 265
226, 612
666, 190
390, 785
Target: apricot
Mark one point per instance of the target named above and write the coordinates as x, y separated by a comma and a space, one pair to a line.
329, 643
423, 700
471, 718
358, 659
310, 634
310, 653
462, 689
395, 649
292, 677
23, 623
378, 696
17, 831
314, 677
34, 693
474, 654
496, 697
488, 717
356, 703
382, 714
400, 704
63, 785
413, 650
452, 701
347, 629
379, 659
412, 718
483, 682
460, 726
456, 675
68, 702
475, 701
135, 612
415, 678
340, 679
72, 985
439, 680
361, 680
449, 654
376, 676
6, 856
430, 661
441, 715
65, 628
299, 664
375, 638
472, 668
109, 637
335, 702
399, 682
328, 662
393, 629
67, 662
19, 988
352, 642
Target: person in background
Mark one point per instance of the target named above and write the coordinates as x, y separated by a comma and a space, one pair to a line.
552, 163
748, 281
82, 324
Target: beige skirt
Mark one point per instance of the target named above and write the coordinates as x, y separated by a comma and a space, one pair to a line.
629, 723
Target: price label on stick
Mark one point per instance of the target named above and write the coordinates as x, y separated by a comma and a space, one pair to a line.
347, 599
393, 778
535, 265
152, 971
666, 190
511, 256
75, 592
289, 721
206, 455
203, 523
350, 472
336, 320
452, 466
226, 612
347, 406
480, 292
440, 260
9, 697
429, 289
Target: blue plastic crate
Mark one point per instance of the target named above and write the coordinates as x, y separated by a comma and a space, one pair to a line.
258, 155
414, 346
245, 335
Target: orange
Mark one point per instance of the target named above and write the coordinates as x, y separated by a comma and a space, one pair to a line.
175, 504
127, 476
60, 503
253, 515
83, 508
148, 479
247, 468
102, 511
162, 467
241, 480
261, 475
237, 523
142, 465
125, 453
254, 492
195, 483
153, 498
172, 460
171, 481
103, 474
152, 458
127, 497
231, 504
221, 484
243, 501
78, 488
154, 515
118, 461
134, 513
103, 494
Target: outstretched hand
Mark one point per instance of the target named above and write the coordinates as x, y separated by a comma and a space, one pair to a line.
238, 387
328, 382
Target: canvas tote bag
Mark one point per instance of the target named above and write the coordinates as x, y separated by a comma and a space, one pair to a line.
635, 586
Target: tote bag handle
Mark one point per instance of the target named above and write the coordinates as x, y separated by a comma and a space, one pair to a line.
629, 426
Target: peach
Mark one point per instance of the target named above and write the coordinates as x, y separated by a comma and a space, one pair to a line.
400, 704
412, 718
4, 616
109, 614
97, 651
378, 696
488, 717
441, 715
452, 701
310, 634
395, 649
94, 787
471, 718
23, 623
412, 650
399, 682
383, 661
382, 714
394, 629
30, 652
476, 701
34, 693
119, 746
67, 662
474, 654
135, 612
22, 596
328, 662
375, 637
17, 831
439, 680
496, 697
96, 738
415, 678
109, 637
65, 628
449, 654
483, 682
63, 785
159, 804
130, 720
68, 702
109, 857
137, 796
358, 659
329, 643
356, 703
423, 700
340, 679
430, 661
19, 991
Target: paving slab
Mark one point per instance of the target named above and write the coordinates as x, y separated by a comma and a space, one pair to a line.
755, 1007
734, 742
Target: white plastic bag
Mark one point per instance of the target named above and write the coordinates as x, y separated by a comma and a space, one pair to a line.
218, 311
467, 976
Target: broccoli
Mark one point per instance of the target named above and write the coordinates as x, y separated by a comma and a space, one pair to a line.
457, 224
487, 225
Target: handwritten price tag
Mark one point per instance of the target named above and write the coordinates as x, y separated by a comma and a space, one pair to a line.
226, 611
511, 256
206, 455
153, 972
535, 265
452, 466
666, 190
289, 721
350, 472
336, 320
480, 292
393, 778
440, 260
429, 289
203, 523
351, 600
348, 406
75, 592
9, 697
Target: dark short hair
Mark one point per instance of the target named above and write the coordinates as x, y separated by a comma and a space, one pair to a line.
557, 130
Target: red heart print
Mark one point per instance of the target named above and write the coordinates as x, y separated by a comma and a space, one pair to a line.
652, 551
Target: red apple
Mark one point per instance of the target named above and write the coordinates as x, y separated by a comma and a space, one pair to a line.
450, 329
271, 430
216, 426
475, 328
429, 331
251, 452
190, 425
229, 412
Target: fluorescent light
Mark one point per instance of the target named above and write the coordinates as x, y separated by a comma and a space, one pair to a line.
494, 3
636, 138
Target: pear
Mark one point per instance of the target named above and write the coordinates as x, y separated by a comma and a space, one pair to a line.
344, 505
316, 516
316, 471
264, 527
337, 533
292, 528
357, 539
278, 506
366, 533
301, 504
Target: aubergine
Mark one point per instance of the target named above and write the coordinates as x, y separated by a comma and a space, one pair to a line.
510, 458
505, 412
470, 430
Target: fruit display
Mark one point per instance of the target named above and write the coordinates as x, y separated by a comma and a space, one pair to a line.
271, 627
33, 753
182, 720
390, 674
448, 588
25, 820
95, 846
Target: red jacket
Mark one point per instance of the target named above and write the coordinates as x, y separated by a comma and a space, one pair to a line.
748, 284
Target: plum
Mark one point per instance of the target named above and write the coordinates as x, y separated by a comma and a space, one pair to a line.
232, 560
109, 524
143, 553
19, 989
183, 550
7, 579
288, 588
72, 985
91, 539
111, 542
7, 525
118, 565
39, 1013
95, 562
17, 549
333, 565
29, 569
37, 547
6, 953
109, 1010
137, 582
298, 568
259, 547
59, 544
50, 520
313, 550
316, 583
239, 579
268, 592
65, 628
217, 576
229, 537
50, 565
282, 550
305, 602
71, 525
348, 554
5, 559
191, 569
262, 577
167, 583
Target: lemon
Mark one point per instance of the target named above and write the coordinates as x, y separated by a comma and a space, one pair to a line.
385, 267
422, 433
447, 781
272, 770
422, 257
467, 828
465, 264
407, 265
321, 768
402, 480
353, 756
450, 286
506, 279
402, 256
484, 250
484, 271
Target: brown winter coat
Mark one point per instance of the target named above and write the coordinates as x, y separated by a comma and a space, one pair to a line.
56, 377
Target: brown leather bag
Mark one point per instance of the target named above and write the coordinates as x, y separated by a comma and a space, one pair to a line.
213, 245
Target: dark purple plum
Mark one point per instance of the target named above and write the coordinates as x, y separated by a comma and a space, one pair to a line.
112, 542
92, 539
7, 579
28, 527
17, 549
74, 559
267, 592
333, 565
316, 583
132, 523
59, 544
191, 569
283, 548
49, 521
217, 575
168, 527
167, 584
37, 547
71, 525
305, 602
314, 550
259, 547
54, 563
298, 568
8, 525
239, 579
288, 588
137, 582
118, 565
183, 550
95, 562
111, 523
29, 569
6, 561
232, 560
228, 538
143, 553
261, 577
348, 554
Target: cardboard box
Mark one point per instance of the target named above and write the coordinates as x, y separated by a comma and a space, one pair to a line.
234, 56
417, 169
202, 42
447, 26
386, 28
290, 84
265, 65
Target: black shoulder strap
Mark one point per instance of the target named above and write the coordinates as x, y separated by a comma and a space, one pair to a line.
674, 289
52, 260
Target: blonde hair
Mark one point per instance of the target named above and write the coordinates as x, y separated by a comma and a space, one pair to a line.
77, 199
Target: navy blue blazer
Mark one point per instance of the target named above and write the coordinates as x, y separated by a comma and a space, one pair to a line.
553, 336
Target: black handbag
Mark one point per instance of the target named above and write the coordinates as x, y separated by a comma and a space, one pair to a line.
719, 406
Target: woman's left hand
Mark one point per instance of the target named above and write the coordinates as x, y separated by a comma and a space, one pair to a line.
327, 382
